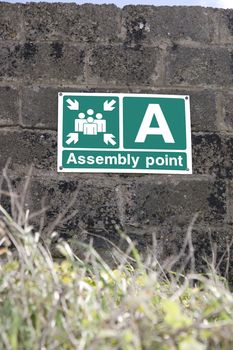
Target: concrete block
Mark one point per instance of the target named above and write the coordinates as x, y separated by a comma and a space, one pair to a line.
9, 60
210, 246
55, 61
9, 102
149, 24
174, 201
227, 110
32, 61
194, 66
26, 148
124, 65
91, 205
15, 194
39, 107
70, 22
10, 21
230, 202
225, 19
214, 245
203, 110
212, 154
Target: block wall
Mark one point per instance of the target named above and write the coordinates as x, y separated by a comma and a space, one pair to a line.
47, 48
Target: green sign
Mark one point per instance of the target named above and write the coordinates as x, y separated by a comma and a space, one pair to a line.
124, 133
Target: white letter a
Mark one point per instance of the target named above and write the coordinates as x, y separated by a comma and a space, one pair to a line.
162, 129
71, 159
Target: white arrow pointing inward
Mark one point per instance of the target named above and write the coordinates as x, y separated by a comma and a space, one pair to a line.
108, 138
108, 106
73, 137
73, 105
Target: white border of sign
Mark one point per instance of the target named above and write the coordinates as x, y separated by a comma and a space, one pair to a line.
60, 148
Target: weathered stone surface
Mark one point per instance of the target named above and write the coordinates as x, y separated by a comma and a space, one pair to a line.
213, 154
227, 109
9, 102
225, 19
124, 65
194, 66
39, 107
11, 196
149, 24
172, 201
87, 206
9, 60
176, 50
86, 23
210, 246
230, 202
32, 61
203, 110
213, 245
10, 21
26, 148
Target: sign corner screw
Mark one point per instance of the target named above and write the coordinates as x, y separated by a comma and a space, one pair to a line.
60, 167
60, 94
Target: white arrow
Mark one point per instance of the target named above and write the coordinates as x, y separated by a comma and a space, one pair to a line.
73, 105
73, 137
108, 106
108, 138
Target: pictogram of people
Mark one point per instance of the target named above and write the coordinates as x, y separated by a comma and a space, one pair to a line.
100, 122
90, 128
89, 125
80, 122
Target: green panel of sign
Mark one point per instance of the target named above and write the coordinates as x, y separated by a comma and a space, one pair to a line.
131, 133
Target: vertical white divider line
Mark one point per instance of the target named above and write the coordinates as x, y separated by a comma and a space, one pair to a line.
188, 134
121, 125
59, 132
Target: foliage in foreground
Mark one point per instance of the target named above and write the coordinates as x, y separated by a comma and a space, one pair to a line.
79, 304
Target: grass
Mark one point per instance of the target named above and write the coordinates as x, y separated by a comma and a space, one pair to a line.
84, 304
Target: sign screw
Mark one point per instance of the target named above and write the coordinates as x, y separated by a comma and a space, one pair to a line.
60, 94
186, 97
60, 167
187, 169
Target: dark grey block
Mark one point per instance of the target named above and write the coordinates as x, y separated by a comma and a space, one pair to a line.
195, 66
227, 110
39, 107
26, 148
150, 24
10, 63
93, 204
124, 65
203, 110
10, 21
174, 201
213, 154
225, 19
212, 246
9, 102
32, 61
71, 22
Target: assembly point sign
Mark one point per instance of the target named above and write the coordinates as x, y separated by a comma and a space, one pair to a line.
124, 133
